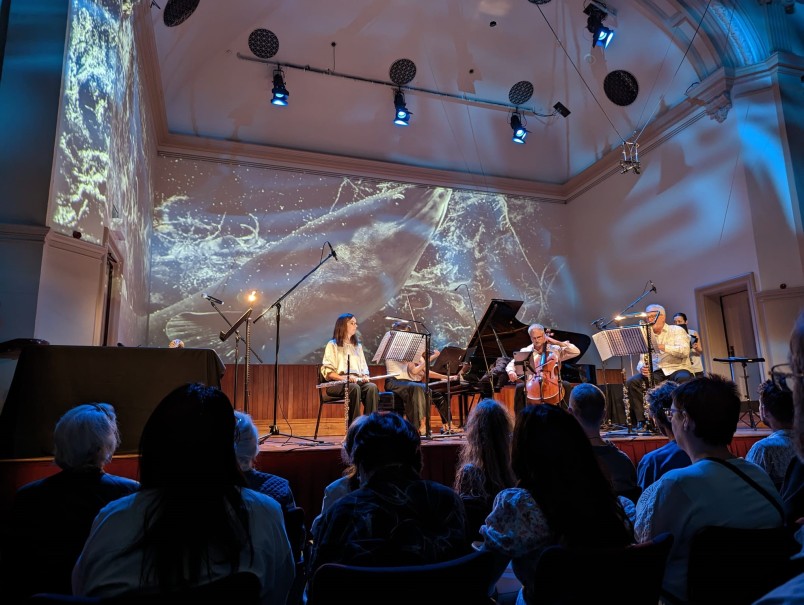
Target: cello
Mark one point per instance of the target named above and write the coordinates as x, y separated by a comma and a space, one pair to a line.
545, 386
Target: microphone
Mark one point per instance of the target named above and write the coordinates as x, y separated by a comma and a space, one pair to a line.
652, 287
212, 299
398, 319
597, 322
459, 286
335, 256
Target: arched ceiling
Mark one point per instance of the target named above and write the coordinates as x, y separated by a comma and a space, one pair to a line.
214, 90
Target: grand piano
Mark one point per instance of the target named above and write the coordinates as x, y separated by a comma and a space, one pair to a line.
499, 333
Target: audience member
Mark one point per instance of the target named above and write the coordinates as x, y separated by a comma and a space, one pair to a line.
246, 449
656, 463
562, 495
717, 489
792, 379
191, 523
775, 452
51, 518
349, 481
588, 404
395, 517
484, 461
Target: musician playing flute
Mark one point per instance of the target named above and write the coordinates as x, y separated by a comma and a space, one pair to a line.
345, 350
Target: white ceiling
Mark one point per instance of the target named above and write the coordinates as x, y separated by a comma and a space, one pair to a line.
212, 90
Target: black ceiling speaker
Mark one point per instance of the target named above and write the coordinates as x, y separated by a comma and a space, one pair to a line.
178, 11
520, 92
621, 87
402, 71
538, 1
263, 43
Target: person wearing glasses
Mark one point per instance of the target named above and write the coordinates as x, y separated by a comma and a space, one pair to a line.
345, 353
717, 489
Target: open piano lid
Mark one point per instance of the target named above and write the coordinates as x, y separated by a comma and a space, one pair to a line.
499, 328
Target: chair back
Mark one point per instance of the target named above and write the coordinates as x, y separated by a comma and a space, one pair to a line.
468, 580
242, 588
735, 565
566, 576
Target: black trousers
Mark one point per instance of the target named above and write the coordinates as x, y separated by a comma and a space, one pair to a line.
637, 385
413, 398
366, 392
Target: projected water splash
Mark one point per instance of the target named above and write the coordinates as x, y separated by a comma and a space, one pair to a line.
392, 240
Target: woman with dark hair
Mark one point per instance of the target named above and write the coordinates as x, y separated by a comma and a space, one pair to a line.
484, 463
562, 496
191, 523
345, 353
717, 489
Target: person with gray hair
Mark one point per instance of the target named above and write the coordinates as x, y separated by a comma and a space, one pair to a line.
670, 360
51, 518
246, 450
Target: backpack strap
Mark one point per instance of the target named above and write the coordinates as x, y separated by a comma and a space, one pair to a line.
752, 483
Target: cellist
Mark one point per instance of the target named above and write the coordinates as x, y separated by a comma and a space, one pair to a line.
545, 355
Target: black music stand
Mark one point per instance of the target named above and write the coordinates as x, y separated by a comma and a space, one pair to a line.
621, 342
744, 361
450, 357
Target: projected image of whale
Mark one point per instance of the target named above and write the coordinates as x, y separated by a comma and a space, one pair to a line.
402, 250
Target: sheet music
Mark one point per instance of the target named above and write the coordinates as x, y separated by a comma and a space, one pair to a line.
620, 341
399, 346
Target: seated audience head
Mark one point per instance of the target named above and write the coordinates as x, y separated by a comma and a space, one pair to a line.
705, 413
588, 404
86, 437
487, 444
246, 441
190, 415
660, 398
553, 459
386, 440
797, 380
775, 406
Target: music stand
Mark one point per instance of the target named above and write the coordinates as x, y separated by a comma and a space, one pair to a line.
744, 361
407, 346
620, 342
224, 336
450, 357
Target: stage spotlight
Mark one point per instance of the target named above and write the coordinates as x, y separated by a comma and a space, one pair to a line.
596, 13
401, 115
520, 132
279, 91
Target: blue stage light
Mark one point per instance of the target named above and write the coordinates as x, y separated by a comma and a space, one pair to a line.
402, 115
520, 132
280, 93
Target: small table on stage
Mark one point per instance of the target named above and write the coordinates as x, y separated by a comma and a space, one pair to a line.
744, 361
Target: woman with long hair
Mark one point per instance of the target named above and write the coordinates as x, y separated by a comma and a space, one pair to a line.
484, 462
193, 520
562, 496
343, 354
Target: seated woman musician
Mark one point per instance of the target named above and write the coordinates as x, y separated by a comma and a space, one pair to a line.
344, 356
542, 381
408, 385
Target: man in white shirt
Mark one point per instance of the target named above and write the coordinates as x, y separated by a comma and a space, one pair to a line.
541, 346
671, 360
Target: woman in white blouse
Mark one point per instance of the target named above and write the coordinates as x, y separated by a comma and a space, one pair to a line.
344, 355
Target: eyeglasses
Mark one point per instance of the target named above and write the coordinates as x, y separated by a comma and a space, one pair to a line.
784, 377
352, 321
668, 412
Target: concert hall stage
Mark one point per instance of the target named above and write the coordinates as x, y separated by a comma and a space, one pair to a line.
310, 467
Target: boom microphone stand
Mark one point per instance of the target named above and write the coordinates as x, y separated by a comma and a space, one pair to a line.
274, 429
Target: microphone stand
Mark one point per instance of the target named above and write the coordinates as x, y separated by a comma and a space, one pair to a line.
274, 429
236, 350
225, 335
